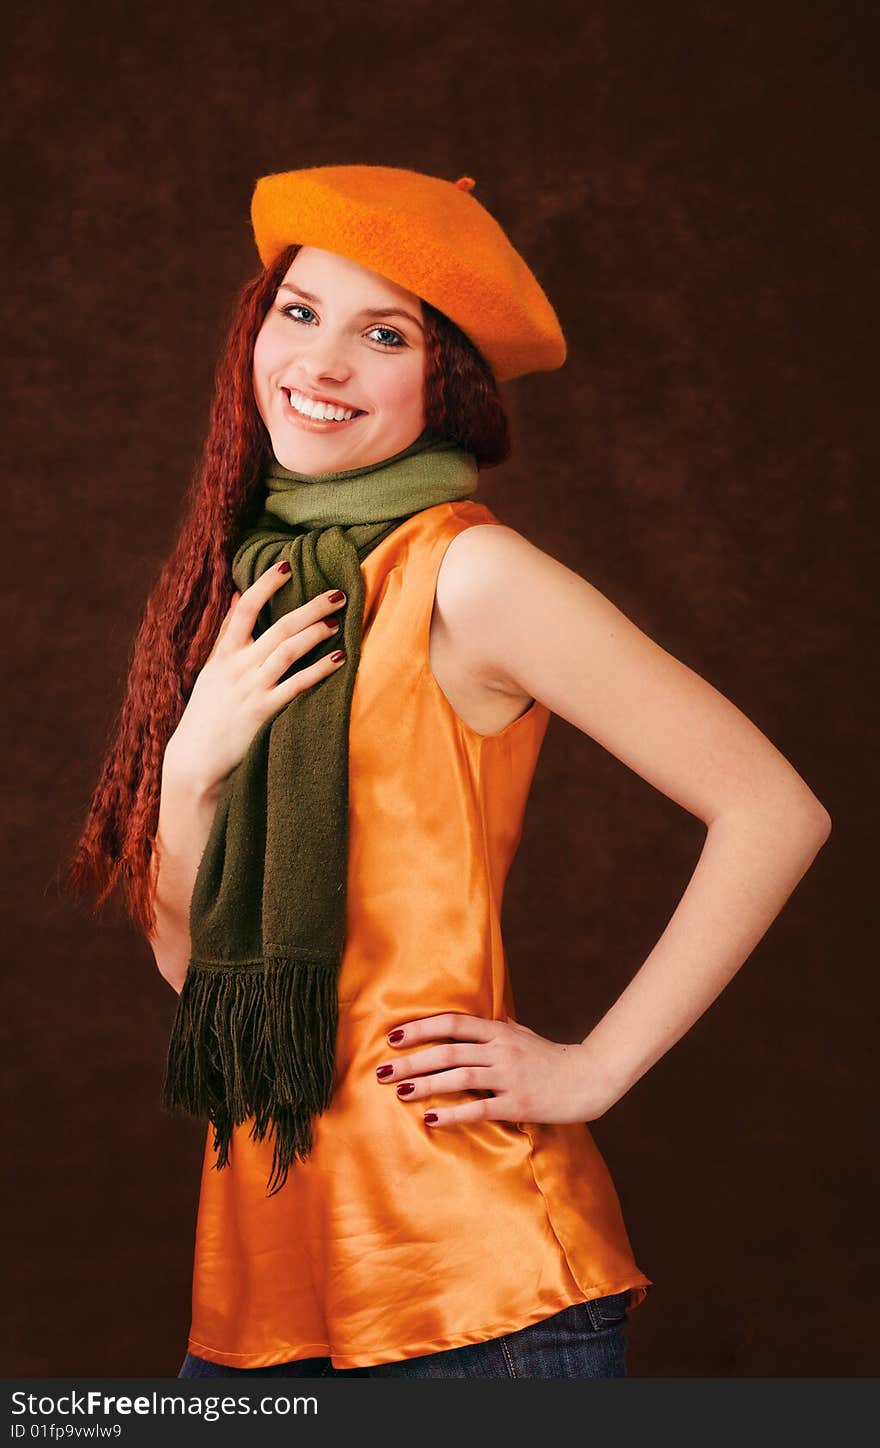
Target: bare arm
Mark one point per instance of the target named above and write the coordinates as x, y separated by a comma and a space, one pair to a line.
186, 812
528, 624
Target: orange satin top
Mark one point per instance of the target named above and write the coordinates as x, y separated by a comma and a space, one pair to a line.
394, 1239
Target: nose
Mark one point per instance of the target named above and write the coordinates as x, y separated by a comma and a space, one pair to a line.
323, 359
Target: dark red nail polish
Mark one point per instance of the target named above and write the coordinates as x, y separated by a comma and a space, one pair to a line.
332, 620
284, 567
395, 1036
337, 597
383, 1071
430, 1116
337, 657
406, 1088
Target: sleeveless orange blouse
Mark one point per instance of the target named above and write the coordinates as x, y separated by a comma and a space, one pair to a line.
395, 1239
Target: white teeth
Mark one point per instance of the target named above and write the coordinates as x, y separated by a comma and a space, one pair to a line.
320, 411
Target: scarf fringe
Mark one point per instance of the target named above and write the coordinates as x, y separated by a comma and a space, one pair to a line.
255, 1040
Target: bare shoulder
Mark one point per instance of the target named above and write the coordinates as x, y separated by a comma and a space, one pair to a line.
492, 555
477, 562
491, 585
481, 558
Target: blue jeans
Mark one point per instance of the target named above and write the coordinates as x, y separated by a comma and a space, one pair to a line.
586, 1340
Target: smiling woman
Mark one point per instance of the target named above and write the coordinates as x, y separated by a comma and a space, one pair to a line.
336, 356
315, 839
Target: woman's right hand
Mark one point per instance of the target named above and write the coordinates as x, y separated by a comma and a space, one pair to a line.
237, 689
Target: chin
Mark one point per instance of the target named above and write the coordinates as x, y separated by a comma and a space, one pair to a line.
318, 459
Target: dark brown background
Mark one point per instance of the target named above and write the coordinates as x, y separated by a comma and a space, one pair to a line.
690, 183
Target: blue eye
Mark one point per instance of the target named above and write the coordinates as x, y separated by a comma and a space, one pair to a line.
296, 306
398, 341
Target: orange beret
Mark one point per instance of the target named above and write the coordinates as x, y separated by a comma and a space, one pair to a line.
428, 235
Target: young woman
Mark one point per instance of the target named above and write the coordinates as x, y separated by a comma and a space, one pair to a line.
337, 700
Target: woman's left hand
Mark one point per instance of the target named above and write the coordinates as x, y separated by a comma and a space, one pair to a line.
529, 1077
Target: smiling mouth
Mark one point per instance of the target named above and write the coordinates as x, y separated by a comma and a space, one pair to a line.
322, 424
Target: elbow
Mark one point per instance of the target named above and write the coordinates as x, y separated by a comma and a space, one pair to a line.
170, 947
819, 820
174, 976
799, 817
815, 823
170, 971
809, 816
823, 824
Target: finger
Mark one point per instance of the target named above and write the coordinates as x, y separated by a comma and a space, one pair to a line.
305, 679
454, 1024
434, 1058
230, 612
465, 1078
310, 615
489, 1108
292, 647
244, 616
224, 622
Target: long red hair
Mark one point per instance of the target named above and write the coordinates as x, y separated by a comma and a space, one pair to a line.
194, 589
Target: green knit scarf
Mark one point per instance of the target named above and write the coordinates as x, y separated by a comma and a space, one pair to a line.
255, 1029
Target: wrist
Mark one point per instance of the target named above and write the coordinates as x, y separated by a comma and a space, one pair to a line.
185, 780
602, 1086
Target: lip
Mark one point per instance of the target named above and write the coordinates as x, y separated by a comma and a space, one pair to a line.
311, 424
321, 397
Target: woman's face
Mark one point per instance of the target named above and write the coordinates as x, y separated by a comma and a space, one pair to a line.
337, 332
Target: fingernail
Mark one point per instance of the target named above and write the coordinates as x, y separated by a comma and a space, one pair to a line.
395, 1036
284, 567
429, 1117
383, 1071
406, 1088
336, 597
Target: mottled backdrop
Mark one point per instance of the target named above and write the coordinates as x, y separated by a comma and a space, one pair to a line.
691, 184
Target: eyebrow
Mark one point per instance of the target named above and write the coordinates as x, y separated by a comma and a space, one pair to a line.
365, 311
